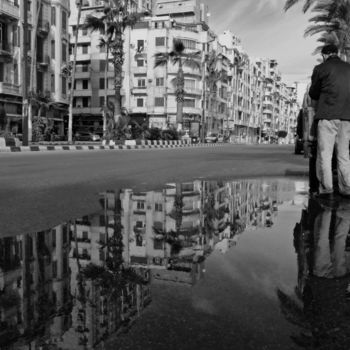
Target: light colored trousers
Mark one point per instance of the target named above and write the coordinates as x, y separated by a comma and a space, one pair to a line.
331, 133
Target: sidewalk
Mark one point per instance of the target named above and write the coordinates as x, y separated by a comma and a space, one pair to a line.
89, 147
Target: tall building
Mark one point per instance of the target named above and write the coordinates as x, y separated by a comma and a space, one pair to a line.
48, 52
10, 61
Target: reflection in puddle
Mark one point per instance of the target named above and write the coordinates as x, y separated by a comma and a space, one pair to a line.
321, 303
75, 285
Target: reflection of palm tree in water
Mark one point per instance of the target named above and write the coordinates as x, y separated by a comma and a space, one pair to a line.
320, 306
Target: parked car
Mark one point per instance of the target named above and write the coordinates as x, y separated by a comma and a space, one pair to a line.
220, 138
87, 136
211, 137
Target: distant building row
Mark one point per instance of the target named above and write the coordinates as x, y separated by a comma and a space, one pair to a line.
249, 101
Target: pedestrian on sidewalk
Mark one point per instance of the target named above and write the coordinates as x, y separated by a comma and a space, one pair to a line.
330, 87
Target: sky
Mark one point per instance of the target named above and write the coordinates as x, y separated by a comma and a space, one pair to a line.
266, 30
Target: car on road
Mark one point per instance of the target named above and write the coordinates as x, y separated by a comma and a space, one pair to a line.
211, 137
87, 136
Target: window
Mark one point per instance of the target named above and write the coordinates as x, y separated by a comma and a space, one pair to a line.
85, 32
139, 102
54, 238
141, 83
139, 224
53, 16
140, 63
85, 68
64, 21
190, 103
52, 82
157, 244
64, 85
102, 65
15, 36
54, 269
159, 102
102, 237
140, 205
189, 44
159, 207
190, 84
102, 83
85, 49
85, 84
64, 52
85, 235
160, 41
86, 102
102, 255
53, 53
159, 81
140, 45
102, 101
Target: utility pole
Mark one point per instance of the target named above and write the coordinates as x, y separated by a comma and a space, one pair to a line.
24, 20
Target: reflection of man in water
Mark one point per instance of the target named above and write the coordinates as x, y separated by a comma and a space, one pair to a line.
322, 278
330, 242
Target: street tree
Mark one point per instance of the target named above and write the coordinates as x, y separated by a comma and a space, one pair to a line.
332, 21
179, 56
306, 7
72, 76
116, 17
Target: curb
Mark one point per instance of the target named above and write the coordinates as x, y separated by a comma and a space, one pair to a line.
50, 148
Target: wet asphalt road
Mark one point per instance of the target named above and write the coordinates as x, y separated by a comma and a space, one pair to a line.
40, 190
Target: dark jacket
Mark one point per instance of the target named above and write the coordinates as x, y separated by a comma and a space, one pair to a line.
330, 85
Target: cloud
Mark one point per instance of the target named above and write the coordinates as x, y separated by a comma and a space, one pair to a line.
267, 30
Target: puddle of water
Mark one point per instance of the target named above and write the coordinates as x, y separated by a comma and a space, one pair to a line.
208, 265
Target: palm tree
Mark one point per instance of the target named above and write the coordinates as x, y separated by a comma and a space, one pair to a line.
333, 22
117, 16
33, 53
213, 76
179, 56
307, 4
71, 95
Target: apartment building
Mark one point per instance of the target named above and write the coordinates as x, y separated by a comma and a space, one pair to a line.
89, 93
10, 61
152, 97
48, 42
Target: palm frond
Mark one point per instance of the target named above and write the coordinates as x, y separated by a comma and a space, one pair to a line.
161, 59
178, 46
94, 23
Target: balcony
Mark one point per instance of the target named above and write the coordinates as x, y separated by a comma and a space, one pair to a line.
43, 28
9, 10
6, 52
44, 61
138, 90
9, 89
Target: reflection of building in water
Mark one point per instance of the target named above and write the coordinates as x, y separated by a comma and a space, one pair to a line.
97, 314
320, 305
34, 288
197, 216
160, 221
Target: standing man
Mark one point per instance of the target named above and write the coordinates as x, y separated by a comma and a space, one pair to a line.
330, 86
